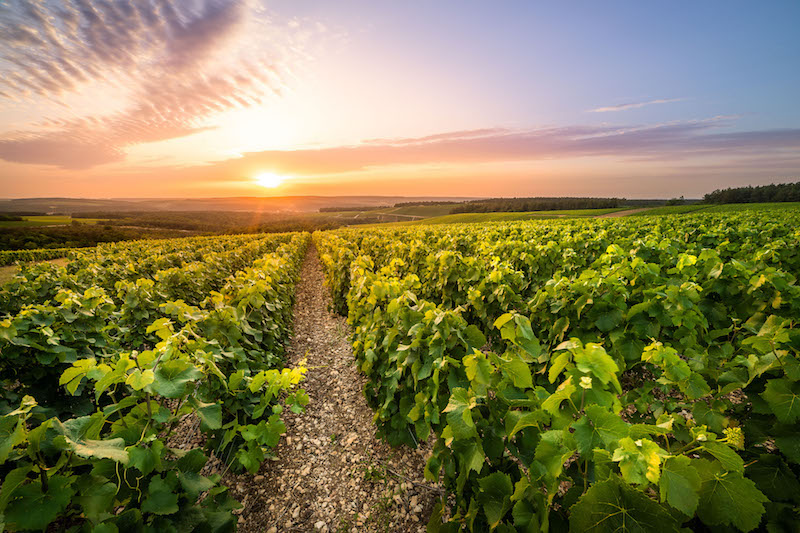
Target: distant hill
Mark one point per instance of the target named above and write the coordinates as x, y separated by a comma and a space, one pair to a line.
278, 204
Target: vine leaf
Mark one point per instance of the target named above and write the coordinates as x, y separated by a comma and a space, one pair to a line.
30, 508
729, 459
12, 432
727, 497
774, 478
783, 398
210, 413
171, 378
612, 506
76, 435
160, 499
600, 426
639, 460
495, 496
563, 392
680, 484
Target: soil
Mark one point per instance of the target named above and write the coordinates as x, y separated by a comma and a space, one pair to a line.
330, 472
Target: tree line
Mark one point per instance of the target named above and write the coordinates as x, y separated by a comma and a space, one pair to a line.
781, 192
536, 204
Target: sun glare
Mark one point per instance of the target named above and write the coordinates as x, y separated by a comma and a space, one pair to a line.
269, 180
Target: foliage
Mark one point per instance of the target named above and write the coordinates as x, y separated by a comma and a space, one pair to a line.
617, 375
535, 204
781, 192
10, 257
103, 359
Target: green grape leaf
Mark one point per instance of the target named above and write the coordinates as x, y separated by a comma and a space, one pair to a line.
192, 461
600, 427
519, 372
729, 459
790, 447
210, 414
495, 497
139, 379
609, 320
612, 506
193, 483
553, 450
160, 498
563, 392
774, 478
78, 435
639, 460
593, 359
727, 498
172, 378
12, 481
557, 365
97, 500
783, 397
459, 414
680, 484
30, 508
516, 421
479, 371
12, 433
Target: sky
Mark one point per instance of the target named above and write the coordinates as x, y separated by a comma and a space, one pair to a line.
207, 98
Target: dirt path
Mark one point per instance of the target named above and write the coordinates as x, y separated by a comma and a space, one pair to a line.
624, 213
331, 473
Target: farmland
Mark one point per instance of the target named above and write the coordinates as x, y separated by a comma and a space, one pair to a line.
102, 359
567, 370
46, 220
555, 374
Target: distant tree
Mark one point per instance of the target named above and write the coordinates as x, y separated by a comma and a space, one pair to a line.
783, 192
676, 201
493, 205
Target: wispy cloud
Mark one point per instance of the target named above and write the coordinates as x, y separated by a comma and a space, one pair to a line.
181, 63
661, 143
633, 105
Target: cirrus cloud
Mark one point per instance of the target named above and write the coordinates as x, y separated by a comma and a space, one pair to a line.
177, 62
634, 105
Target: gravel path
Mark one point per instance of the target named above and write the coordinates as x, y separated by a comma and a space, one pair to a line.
331, 472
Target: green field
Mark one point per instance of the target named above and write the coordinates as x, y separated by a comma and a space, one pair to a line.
671, 210
732, 208
464, 218
46, 220
723, 208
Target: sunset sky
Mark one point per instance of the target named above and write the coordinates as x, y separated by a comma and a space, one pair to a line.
198, 98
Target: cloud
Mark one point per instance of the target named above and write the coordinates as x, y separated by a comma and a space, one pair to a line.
662, 143
56, 150
177, 62
633, 105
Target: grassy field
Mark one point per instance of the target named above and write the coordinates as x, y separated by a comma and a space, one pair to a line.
46, 220
423, 211
671, 210
705, 208
462, 218
730, 208
391, 214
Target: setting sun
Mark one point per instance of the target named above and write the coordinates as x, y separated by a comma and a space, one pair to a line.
269, 180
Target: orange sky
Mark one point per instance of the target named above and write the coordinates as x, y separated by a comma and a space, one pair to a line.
181, 99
